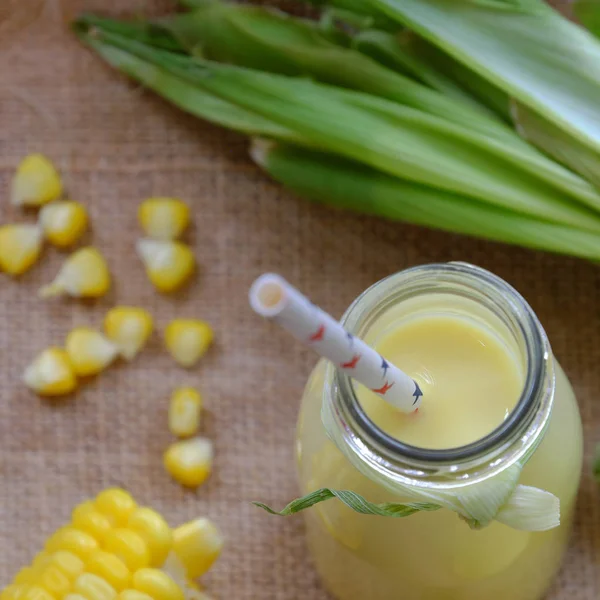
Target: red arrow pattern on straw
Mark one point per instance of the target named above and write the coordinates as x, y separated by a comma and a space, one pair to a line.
352, 363
317, 336
384, 389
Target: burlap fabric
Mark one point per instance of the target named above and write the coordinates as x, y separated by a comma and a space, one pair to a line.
117, 144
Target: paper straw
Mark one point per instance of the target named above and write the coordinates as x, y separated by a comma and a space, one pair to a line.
274, 298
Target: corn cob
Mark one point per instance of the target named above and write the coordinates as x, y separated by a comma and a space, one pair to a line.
114, 549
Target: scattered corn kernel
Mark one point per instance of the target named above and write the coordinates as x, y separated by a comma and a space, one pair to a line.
197, 545
116, 504
51, 373
73, 540
87, 518
70, 564
63, 222
134, 595
36, 182
155, 531
129, 547
184, 412
128, 327
157, 584
109, 567
188, 340
89, 351
168, 264
93, 587
163, 218
20, 247
189, 462
83, 274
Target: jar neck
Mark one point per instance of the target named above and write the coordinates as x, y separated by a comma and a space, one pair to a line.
412, 292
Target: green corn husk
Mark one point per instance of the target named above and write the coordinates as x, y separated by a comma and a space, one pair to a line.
141, 30
440, 71
400, 140
395, 52
524, 47
190, 98
269, 40
588, 14
349, 185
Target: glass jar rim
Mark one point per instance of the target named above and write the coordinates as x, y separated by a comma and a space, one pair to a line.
425, 279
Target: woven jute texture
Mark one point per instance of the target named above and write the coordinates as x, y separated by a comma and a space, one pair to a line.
116, 145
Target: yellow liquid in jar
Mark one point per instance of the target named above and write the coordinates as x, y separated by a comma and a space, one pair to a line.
471, 377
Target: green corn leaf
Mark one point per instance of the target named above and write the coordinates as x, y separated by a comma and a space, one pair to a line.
596, 464
442, 72
401, 141
261, 38
352, 500
348, 185
556, 143
269, 40
588, 14
139, 30
524, 47
187, 97
398, 52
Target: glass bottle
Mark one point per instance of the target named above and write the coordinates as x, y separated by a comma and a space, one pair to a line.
435, 555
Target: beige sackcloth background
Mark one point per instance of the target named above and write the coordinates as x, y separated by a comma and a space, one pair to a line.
116, 145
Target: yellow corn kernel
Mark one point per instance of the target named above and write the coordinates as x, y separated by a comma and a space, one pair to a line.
41, 561
73, 540
87, 518
163, 218
93, 587
74, 597
188, 340
197, 545
109, 567
63, 222
129, 547
129, 328
89, 351
54, 581
12, 592
51, 373
155, 531
26, 575
189, 462
35, 182
36, 592
168, 264
193, 591
20, 247
184, 412
70, 564
116, 504
134, 595
157, 584
84, 274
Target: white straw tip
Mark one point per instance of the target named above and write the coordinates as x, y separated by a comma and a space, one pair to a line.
267, 295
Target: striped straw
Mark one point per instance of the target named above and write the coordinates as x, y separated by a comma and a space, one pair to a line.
274, 298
